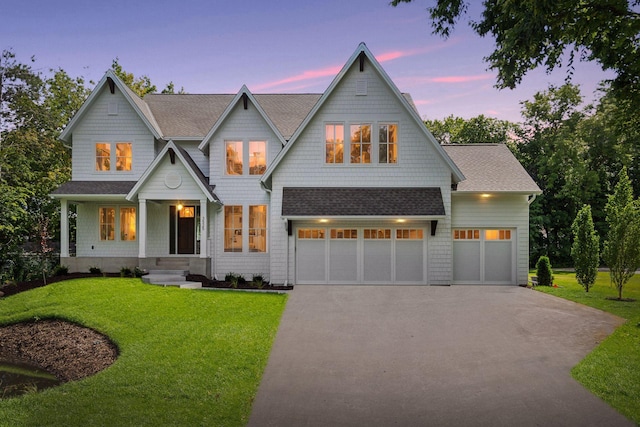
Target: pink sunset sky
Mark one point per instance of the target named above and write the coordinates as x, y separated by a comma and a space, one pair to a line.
283, 46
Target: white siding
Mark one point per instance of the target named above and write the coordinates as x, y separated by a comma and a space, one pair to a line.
155, 187
198, 156
419, 165
240, 125
98, 126
497, 211
88, 233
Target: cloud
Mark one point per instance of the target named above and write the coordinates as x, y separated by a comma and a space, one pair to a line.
319, 73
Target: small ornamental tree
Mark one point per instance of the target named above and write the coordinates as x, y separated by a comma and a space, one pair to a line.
543, 271
586, 248
622, 248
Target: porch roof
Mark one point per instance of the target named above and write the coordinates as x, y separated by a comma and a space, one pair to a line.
362, 202
78, 188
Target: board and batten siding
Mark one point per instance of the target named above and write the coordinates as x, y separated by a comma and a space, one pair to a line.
240, 125
419, 165
499, 211
99, 126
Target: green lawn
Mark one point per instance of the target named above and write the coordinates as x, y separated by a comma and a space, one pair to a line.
612, 370
187, 357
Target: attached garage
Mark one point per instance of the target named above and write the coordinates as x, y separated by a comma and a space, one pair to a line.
362, 235
360, 255
484, 256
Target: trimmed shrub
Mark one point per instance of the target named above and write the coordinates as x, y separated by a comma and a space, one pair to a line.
61, 270
95, 270
544, 272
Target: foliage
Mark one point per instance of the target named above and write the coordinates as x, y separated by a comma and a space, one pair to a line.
544, 272
530, 34
61, 270
185, 357
258, 281
480, 129
138, 272
586, 248
621, 250
140, 85
33, 162
95, 270
612, 370
126, 272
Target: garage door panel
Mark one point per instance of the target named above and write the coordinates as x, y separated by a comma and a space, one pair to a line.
311, 264
343, 261
498, 264
466, 261
409, 261
377, 261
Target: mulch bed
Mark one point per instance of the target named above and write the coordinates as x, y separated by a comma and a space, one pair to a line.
212, 283
64, 349
15, 288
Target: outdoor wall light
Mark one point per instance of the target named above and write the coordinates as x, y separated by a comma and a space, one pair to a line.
180, 206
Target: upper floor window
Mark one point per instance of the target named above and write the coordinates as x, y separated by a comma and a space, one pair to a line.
388, 143
123, 156
255, 162
234, 157
361, 143
257, 157
334, 143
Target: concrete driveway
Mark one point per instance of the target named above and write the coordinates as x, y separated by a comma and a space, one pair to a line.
431, 356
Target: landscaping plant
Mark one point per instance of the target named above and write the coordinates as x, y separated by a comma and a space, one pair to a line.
544, 272
586, 248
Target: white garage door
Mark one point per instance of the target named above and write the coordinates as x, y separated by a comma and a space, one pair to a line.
482, 256
360, 255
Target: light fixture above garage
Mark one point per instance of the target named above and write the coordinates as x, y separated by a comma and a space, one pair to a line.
485, 195
324, 220
401, 220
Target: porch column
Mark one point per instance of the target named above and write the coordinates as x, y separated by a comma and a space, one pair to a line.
64, 228
203, 228
142, 232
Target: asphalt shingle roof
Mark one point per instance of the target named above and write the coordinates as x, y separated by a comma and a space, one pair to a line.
358, 201
94, 187
490, 168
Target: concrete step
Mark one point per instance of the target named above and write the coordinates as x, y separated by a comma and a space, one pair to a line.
165, 279
167, 272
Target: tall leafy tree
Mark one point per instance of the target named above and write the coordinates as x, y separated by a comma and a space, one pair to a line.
586, 248
531, 34
140, 85
33, 162
622, 248
479, 129
554, 157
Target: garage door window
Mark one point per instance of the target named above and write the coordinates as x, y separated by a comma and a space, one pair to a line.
377, 233
467, 234
497, 234
409, 234
344, 233
311, 233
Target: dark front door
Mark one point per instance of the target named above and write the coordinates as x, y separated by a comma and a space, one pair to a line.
183, 230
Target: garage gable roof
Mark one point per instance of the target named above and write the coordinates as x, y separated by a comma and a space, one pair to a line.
362, 202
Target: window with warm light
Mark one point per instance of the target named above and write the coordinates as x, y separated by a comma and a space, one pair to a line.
377, 233
107, 223
497, 234
409, 234
360, 143
257, 157
334, 143
127, 224
258, 228
388, 143
103, 156
463, 234
343, 233
311, 233
233, 228
234, 157
123, 156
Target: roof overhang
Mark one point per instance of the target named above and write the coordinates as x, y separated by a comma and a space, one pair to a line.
373, 203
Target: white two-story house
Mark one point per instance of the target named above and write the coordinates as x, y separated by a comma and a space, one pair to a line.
343, 187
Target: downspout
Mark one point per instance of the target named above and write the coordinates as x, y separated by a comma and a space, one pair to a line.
286, 268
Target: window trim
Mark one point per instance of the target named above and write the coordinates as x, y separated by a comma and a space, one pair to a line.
244, 232
361, 144
334, 144
388, 144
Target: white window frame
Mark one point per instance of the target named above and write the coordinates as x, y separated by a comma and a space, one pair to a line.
335, 143
113, 157
117, 223
245, 146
